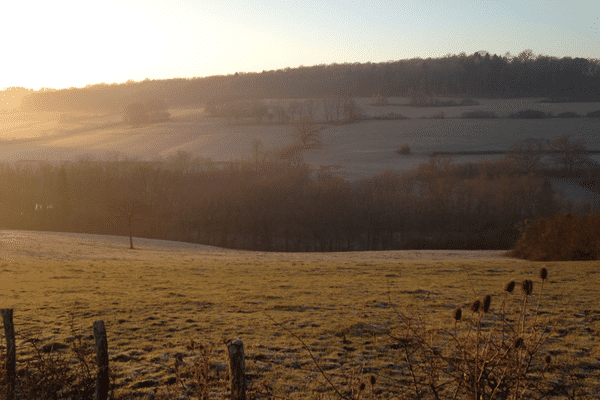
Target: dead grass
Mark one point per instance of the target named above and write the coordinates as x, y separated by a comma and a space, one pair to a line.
156, 299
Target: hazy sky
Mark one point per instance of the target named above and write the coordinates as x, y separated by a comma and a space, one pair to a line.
64, 43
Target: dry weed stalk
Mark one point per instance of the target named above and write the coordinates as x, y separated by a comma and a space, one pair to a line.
489, 356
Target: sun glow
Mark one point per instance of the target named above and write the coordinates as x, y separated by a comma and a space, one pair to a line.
77, 43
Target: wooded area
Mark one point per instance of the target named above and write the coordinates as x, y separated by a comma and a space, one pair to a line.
274, 204
476, 75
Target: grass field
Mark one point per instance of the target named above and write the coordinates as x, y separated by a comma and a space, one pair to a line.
158, 298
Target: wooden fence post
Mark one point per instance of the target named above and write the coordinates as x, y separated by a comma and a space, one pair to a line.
11, 352
102, 379
237, 369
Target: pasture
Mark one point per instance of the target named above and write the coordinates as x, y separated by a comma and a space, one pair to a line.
353, 151
158, 298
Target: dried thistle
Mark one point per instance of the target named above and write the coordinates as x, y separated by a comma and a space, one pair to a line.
527, 287
362, 387
509, 287
475, 305
487, 300
543, 274
457, 314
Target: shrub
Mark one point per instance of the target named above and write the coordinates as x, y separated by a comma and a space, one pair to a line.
403, 150
534, 114
479, 114
593, 114
561, 238
153, 110
568, 114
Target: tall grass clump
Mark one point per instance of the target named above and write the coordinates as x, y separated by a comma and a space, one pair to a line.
561, 238
55, 370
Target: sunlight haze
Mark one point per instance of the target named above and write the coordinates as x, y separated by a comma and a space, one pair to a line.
71, 43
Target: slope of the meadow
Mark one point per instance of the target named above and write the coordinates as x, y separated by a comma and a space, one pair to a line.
159, 297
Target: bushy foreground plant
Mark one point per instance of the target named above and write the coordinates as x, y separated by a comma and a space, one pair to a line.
561, 238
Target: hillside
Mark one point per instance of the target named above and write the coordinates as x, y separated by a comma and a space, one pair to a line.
354, 150
158, 300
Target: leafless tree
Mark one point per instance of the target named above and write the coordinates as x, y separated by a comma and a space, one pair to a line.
569, 154
128, 210
528, 154
295, 107
311, 106
307, 132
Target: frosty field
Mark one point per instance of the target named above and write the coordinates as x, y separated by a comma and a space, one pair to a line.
352, 150
159, 297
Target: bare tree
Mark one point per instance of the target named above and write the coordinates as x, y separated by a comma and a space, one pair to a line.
338, 106
307, 132
295, 107
259, 110
128, 210
328, 108
279, 111
351, 111
311, 106
528, 154
567, 153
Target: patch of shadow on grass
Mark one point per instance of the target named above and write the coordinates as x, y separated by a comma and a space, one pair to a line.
363, 329
292, 308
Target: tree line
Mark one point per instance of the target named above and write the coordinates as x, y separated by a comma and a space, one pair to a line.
273, 202
477, 75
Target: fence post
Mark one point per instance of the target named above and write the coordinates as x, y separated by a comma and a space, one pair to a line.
102, 379
237, 369
11, 352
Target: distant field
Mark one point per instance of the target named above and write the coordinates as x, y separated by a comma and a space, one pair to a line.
155, 299
361, 149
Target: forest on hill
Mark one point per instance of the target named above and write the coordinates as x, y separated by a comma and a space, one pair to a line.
274, 202
476, 75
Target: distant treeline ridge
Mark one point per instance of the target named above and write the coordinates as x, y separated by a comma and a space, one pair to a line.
476, 75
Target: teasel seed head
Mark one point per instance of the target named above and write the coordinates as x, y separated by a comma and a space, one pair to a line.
475, 305
509, 287
547, 359
543, 274
518, 343
373, 380
457, 314
362, 386
487, 301
527, 287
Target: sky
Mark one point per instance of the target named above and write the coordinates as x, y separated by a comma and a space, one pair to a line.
63, 43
